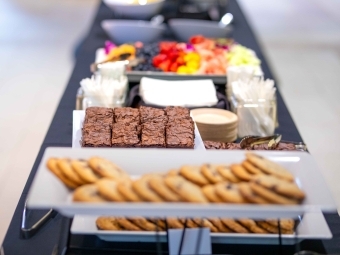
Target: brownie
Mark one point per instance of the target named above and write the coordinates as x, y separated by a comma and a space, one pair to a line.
211, 145
177, 112
96, 135
280, 147
125, 135
149, 114
179, 136
99, 115
127, 115
185, 123
232, 146
236, 146
153, 135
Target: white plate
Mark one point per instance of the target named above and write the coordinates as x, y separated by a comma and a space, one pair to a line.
312, 226
78, 119
48, 192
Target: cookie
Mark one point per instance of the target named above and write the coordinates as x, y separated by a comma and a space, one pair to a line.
158, 222
204, 223
240, 172
210, 172
107, 223
273, 229
219, 225
251, 225
85, 172
189, 223
125, 189
107, 188
269, 167
106, 168
87, 193
227, 174
141, 187
193, 174
229, 192
234, 226
270, 195
186, 190
53, 167
144, 224
65, 166
174, 223
251, 168
173, 172
210, 193
289, 189
127, 225
157, 184
250, 195
287, 224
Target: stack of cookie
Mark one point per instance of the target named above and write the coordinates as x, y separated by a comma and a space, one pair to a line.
216, 225
171, 127
256, 180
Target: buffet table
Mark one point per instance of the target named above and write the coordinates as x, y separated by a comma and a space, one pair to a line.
54, 237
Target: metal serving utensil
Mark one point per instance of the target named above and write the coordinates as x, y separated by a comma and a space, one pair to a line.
250, 141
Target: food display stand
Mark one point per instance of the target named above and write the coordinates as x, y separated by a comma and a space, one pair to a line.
54, 236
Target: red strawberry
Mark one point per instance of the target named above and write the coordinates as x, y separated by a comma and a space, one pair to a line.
196, 39
158, 59
165, 65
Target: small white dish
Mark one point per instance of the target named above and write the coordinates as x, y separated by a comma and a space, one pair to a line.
186, 28
143, 10
124, 31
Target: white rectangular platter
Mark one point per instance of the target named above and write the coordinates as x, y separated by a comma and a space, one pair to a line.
78, 120
312, 226
48, 192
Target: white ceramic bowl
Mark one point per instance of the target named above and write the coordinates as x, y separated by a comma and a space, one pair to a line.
136, 11
186, 28
123, 31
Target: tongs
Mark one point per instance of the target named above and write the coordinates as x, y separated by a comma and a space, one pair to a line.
251, 141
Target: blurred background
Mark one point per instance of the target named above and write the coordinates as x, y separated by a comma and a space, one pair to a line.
301, 40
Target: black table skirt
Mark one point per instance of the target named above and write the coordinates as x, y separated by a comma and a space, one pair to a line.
60, 135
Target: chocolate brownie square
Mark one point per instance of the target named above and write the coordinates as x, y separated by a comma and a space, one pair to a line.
179, 136
211, 145
184, 122
125, 135
150, 114
99, 115
153, 135
127, 115
279, 147
177, 112
96, 135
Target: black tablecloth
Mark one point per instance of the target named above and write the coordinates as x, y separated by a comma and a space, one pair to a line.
60, 134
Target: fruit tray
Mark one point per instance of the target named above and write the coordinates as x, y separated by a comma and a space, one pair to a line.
48, 191
200, 58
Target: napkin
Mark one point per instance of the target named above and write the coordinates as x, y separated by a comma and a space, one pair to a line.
188, 93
